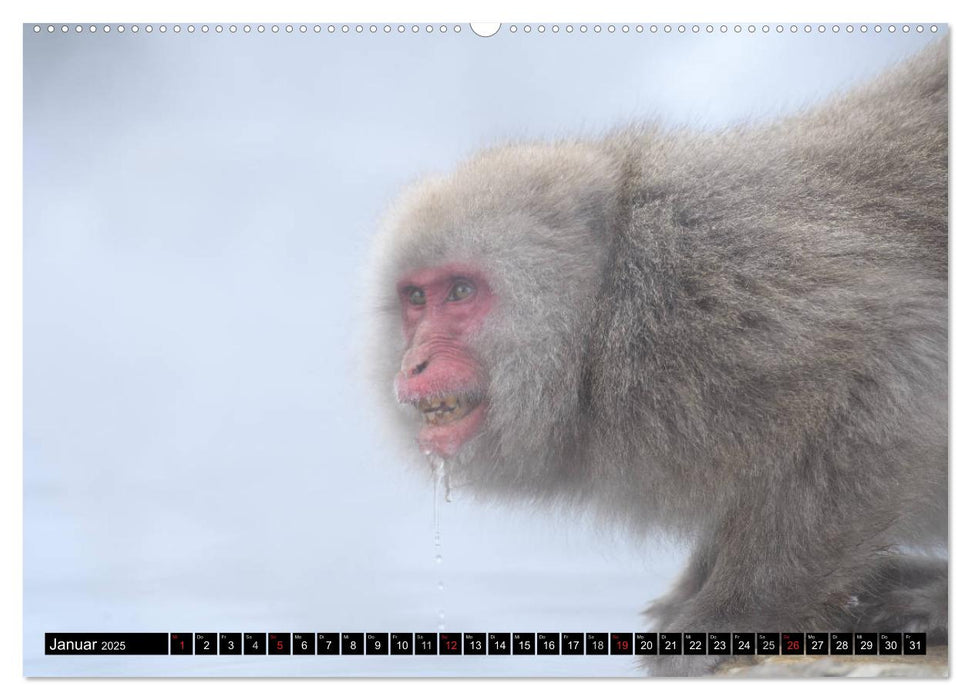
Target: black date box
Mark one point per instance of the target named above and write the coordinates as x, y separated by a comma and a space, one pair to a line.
254, 642
426, 643
669, 643
449, 644
621, 643
767, 643
743, 643
180, 643
109, 643
596, 643
304, 643
841, 644
376, 643
793, 643
694, 643
891, 643
279, 643
474, 643
548, 643
915, 643
230, 643
645, 643
865, 643
352, 643
571, 643
817, 643
206, 643
500, 643
328, 644
523, 643
719, 643
402, 644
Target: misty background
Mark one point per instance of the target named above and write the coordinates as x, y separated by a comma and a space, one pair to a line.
200, 451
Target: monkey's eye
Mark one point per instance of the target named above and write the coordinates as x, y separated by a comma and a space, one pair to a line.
462, 289
416, 296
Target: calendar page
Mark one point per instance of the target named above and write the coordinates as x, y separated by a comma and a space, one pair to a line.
545, 349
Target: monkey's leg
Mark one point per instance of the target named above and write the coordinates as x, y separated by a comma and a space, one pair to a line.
687, 586
774, 565
905, 593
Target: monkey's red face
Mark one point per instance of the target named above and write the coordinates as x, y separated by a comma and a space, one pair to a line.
441, 308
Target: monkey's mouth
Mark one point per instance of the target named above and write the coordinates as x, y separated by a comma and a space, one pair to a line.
450, 421
445, 410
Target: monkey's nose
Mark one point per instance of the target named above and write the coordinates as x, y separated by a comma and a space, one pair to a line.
418, 369
414, 362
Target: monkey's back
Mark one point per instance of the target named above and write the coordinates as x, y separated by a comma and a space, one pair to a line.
775, 305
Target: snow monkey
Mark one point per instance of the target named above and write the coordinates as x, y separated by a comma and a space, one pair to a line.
740, 337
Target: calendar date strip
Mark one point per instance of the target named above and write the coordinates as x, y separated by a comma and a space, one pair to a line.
485, 643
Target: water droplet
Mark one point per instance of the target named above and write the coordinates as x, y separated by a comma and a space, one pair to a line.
442, 478
438, 466
440, 471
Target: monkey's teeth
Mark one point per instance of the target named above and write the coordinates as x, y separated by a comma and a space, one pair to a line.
446, 409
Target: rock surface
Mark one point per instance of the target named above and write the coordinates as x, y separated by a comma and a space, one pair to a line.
934, 665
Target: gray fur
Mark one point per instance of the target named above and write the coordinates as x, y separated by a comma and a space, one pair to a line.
739, 336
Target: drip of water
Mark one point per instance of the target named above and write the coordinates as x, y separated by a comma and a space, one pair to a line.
442, 487
442, 477
438, 465
442, 483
